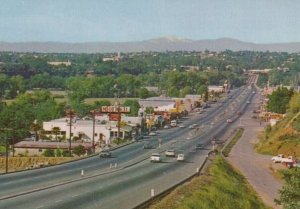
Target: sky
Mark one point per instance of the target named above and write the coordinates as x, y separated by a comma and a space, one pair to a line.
258, 21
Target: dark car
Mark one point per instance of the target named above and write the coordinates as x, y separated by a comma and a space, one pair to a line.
200, 146
147, 146
105, 154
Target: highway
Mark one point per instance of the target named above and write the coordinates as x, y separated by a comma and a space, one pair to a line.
130, 182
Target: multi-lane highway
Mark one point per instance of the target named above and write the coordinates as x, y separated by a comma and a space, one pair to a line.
129, 183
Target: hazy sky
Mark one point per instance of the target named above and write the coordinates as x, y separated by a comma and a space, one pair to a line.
260, 21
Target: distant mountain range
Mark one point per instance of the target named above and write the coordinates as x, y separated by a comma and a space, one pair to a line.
158, 44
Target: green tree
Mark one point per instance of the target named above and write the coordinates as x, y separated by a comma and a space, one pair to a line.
134, 106
143, 93
79, 150
294, 104
56, 131
279, 100
290, 193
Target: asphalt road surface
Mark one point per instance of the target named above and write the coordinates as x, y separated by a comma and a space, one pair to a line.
129, 183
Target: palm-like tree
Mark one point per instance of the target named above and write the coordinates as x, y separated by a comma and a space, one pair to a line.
35, 127
56, 131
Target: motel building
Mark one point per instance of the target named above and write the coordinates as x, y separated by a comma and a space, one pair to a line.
106, 128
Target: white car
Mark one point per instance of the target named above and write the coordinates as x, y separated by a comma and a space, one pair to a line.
155, 157
170, 153
152, 134
181, 126
229, 120
166, 127
180, 157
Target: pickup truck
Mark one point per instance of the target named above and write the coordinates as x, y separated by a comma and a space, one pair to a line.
282, 159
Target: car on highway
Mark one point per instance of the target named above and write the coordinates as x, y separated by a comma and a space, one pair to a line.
155, 157
105, 154
166, 127
152, 133
180, 157
229, 120
248, 102
148, 146
170, 153
181, 126
193, 126
199, 146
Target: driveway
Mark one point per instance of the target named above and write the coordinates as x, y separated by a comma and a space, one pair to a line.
255, 167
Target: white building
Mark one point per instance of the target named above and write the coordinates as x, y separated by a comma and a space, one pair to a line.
104, 131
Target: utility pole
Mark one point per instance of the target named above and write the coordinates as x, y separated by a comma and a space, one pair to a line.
93, 137
70, 113
118, 106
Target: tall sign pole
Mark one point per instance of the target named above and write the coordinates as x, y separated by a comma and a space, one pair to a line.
71, 114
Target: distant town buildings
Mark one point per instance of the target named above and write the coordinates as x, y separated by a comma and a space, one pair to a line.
68, 63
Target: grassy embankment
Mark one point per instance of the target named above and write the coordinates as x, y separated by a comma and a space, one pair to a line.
220, 187
283, 138
22, 163
230, 145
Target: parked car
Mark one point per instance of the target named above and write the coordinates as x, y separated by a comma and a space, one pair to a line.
282, 159
180, 157
155, 157
152, 133
105, 154
170, 153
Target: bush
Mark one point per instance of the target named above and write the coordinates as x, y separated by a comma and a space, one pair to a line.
49, 153
79, 150
58, 153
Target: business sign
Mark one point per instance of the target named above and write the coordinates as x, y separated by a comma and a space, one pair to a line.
115, 109
114, 117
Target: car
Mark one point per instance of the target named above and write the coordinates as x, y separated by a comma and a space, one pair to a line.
229, 120
152, 133
166, 127
239, 113
199, 146
181, 126
248, 102
170, 153
155, 157
147, 146
180, 157
191, 126
105, 154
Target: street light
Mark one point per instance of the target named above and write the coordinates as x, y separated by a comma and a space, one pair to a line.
70, 113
